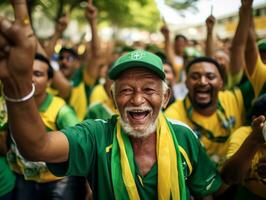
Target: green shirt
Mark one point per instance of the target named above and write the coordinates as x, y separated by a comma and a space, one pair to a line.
7, 178
90, 155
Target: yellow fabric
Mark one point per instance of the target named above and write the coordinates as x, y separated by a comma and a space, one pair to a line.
98, 94
168, 182
258, 78
89, 80
49, 116
184, 153
52, 91
233, 105
78, 100
253, 183
126, 172
49, 119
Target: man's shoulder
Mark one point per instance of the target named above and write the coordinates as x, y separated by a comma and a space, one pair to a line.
182, 130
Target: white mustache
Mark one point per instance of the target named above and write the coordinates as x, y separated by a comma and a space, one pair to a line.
138, 109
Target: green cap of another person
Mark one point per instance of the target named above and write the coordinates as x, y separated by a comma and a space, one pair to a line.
262, 44
137, 58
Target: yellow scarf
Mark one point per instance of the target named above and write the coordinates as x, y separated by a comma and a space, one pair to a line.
171, 184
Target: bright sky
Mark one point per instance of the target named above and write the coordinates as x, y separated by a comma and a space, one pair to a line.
221, 8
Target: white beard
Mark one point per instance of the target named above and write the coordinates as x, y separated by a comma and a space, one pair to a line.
138, 134
129, 130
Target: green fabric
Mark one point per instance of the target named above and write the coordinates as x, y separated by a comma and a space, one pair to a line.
98, 111
66, 117
90, 155
7, 178
139, 58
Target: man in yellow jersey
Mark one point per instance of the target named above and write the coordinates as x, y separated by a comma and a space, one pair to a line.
33, 179
212, 113
139, 154
247, 154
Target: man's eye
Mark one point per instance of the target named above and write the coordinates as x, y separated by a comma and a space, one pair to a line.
126, 91
149, 90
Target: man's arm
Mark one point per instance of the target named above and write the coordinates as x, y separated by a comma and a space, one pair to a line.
92, 67
18, 46
210, 21
169, 50
252, 52
60, 27
242, 159
237, 53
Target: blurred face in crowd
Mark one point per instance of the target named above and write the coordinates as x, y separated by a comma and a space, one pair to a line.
139, 96
203, 82
40, 77
68, 64
169, 73
180, 45
222, 58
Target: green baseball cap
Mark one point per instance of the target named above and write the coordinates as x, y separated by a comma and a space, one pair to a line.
262, 44
137, 58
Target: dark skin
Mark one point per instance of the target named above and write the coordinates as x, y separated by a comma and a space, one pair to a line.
132, 93
204, 82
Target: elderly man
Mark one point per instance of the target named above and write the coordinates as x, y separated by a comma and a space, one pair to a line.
137, 155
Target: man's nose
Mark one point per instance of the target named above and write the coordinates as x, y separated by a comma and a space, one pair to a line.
137, 98
203, 80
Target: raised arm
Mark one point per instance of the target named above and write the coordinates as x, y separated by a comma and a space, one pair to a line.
60, 27
252, 52
92, 66
17, 51
242, 159
168, 48
237, 53
210, 21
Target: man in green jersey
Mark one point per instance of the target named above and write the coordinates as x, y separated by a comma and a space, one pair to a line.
136, 155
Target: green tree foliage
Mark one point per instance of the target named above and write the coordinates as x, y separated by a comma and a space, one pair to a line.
141, 14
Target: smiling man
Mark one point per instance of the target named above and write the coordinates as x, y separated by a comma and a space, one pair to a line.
136, 155
212, 113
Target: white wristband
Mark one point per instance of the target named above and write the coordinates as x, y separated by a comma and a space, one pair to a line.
25, 98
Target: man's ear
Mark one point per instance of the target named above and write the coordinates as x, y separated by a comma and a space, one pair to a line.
166, 97
113, 98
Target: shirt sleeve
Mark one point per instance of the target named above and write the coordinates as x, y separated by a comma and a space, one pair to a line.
66, 117
82, 150
258, 78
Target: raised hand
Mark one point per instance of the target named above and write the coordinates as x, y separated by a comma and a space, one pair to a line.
165, 31
91, 11
257, 126
62, 23
210, 21
17, 50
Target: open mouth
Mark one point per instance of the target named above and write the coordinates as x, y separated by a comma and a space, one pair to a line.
138, 114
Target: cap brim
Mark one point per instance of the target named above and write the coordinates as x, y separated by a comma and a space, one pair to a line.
117, 70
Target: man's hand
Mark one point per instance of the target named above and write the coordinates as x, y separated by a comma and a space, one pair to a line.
17, 50
91, 11
257, 126
210, 21
62, 23
165, 31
